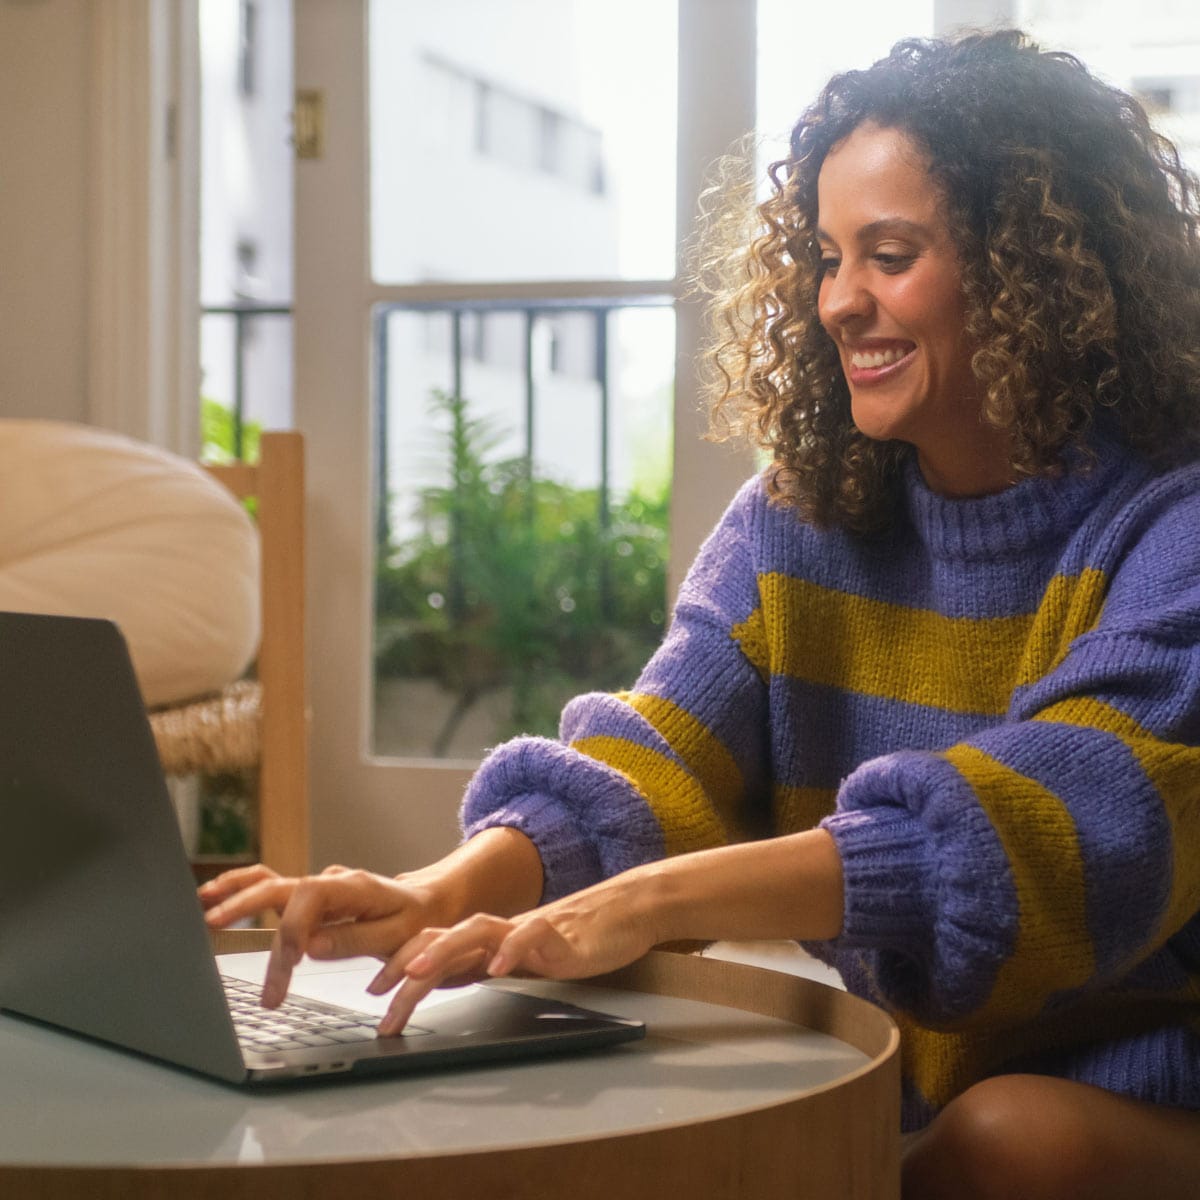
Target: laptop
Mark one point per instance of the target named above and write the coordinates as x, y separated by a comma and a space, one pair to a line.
101, 931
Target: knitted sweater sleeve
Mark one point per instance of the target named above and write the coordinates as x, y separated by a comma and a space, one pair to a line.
675, 764
1053, 853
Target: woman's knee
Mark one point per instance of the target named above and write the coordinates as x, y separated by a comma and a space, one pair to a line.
1004, 1137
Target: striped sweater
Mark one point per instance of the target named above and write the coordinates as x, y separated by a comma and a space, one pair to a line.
995, 711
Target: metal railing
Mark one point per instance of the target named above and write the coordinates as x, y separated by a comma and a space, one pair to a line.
599, 310
243, 314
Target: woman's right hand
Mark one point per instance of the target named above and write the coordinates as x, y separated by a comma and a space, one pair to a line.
244, 892
337, 914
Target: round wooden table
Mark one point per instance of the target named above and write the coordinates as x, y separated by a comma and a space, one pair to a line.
751, 1084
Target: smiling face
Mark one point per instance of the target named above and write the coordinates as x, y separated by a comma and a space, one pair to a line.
891, 298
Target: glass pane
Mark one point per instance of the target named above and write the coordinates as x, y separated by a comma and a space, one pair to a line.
521, 516
530, 139
245, 222
801, 45
246, 378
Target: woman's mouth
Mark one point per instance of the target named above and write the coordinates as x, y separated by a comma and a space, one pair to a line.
867, 366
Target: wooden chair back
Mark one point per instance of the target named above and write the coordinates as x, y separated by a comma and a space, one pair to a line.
276, 484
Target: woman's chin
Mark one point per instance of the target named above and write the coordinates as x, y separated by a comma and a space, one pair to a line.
878, 422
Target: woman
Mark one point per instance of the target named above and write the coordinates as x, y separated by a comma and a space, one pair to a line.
945, 651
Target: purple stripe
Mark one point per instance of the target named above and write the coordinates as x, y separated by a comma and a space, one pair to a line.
1124, 834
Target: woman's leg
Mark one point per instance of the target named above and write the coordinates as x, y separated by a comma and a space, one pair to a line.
1031, 1137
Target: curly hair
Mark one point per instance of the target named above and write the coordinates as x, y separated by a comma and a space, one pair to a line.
1077, 231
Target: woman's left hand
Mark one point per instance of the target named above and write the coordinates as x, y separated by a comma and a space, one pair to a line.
598, 929
785, 887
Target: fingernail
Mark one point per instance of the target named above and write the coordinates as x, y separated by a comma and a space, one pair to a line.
418, 964
389, 1026
377, 986
499, 964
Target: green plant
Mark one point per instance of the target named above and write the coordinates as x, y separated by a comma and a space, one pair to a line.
519, 581
227, 813
217, 434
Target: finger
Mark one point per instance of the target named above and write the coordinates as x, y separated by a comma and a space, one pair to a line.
273, 892
281, 962
410, 993
316, 901
348, 939
476, 938
376, 939
306, 908
395, 966
228, 883
466, 969
532, 945
434, 958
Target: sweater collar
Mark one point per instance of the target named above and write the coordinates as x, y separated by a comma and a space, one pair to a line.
1018, 519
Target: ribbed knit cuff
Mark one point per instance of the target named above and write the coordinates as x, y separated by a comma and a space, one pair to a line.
587, 820
887, 868
569, 861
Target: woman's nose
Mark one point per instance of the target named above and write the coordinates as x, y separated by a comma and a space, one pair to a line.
843, 298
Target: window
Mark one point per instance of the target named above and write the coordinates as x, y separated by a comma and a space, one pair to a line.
245, 222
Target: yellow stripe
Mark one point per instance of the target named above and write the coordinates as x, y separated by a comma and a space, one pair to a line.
962, 664
799, 808
940, 1065
675, 797
1053, 949
705, 754
1070, 607
888, 650
1174, 770
751, 634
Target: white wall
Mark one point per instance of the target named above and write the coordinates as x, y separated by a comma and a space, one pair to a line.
44, 63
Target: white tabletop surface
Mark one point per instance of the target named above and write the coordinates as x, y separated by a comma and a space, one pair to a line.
68, 1101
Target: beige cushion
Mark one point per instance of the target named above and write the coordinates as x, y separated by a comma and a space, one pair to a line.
95, 524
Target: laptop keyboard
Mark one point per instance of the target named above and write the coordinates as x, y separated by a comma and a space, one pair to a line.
296, 1024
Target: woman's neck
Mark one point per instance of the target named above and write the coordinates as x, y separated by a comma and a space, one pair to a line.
968, 467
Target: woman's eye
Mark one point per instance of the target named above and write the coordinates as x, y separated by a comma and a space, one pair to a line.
893, 263
829, 266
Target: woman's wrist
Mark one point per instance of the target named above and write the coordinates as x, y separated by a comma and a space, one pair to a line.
664, 902
498, 871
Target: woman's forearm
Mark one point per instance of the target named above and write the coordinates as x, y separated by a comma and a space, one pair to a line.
787, 887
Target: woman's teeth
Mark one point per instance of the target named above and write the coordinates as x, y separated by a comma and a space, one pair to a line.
865, 359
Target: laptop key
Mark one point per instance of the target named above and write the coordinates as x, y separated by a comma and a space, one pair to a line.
294, 1025
355, 1033
315, 1039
